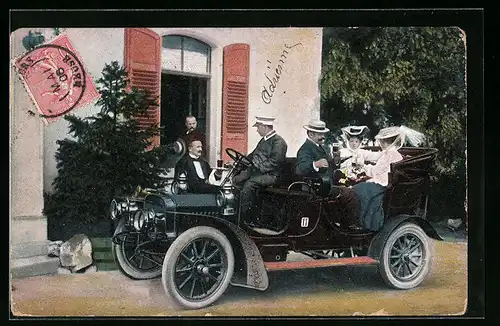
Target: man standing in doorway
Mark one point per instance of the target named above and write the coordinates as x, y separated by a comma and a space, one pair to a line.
192, 132
267, 159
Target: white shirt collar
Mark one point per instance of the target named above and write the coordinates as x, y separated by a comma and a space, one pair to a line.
194, 156
270, 134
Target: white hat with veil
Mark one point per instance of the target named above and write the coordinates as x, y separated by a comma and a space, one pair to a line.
403, 134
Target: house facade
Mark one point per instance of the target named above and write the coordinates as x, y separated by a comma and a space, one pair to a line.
222, 76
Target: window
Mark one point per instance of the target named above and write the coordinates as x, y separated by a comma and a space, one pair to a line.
185, 54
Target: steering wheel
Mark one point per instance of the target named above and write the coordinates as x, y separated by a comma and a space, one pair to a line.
239, 158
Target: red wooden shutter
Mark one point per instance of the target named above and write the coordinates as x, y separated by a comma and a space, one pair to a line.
143, 63
235, 98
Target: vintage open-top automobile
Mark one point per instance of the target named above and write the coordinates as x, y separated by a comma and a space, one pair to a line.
198, 244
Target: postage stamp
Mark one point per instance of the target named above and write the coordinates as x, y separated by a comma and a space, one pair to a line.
55, 78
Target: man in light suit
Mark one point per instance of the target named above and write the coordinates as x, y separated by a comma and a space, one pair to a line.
313, 161
267, 158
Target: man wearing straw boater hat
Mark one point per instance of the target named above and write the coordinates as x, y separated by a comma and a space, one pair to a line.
267, 158
313, 161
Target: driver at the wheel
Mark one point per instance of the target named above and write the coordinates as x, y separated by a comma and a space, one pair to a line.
267, 158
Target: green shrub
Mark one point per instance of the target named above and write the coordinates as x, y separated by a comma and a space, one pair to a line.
108, 154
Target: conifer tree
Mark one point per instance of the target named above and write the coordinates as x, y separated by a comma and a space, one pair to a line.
108, 154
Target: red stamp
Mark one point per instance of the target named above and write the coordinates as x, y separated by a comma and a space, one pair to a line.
55, 78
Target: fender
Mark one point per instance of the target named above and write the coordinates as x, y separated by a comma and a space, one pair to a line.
378, 240
256, 273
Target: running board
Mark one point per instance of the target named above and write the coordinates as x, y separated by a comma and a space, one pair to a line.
282, 265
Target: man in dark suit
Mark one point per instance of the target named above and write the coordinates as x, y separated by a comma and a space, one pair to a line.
196, 168
192, 131
313, 161
267, 158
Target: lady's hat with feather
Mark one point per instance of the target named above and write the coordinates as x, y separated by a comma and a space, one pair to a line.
401, 135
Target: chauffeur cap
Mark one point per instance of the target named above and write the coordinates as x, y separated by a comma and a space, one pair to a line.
260, 119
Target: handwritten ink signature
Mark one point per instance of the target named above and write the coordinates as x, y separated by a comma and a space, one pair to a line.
268, 92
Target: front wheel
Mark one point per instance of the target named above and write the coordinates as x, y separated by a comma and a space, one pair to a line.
136, 256
198, 267
406, 257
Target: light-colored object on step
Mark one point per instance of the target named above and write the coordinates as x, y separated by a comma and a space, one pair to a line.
54, 248
76, 253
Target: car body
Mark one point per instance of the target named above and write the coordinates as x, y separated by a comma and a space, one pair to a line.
199, 246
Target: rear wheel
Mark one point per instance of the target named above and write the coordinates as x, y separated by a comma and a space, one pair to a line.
406, 257
198, 267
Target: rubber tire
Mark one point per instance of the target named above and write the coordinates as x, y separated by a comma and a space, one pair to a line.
168, 270
428, 252
124, 265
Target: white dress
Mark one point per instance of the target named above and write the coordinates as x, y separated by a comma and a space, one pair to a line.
379, 172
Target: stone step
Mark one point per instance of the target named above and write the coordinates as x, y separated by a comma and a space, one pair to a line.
33, 266
29, 249
101, 244
102, 254
28, 229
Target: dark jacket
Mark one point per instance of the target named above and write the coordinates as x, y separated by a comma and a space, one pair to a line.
308, 153
269, 155
195, 183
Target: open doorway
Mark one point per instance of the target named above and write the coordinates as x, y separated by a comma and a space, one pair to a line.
182, 96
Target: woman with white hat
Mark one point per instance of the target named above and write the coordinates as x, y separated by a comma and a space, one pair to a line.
370, 193
352, 156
